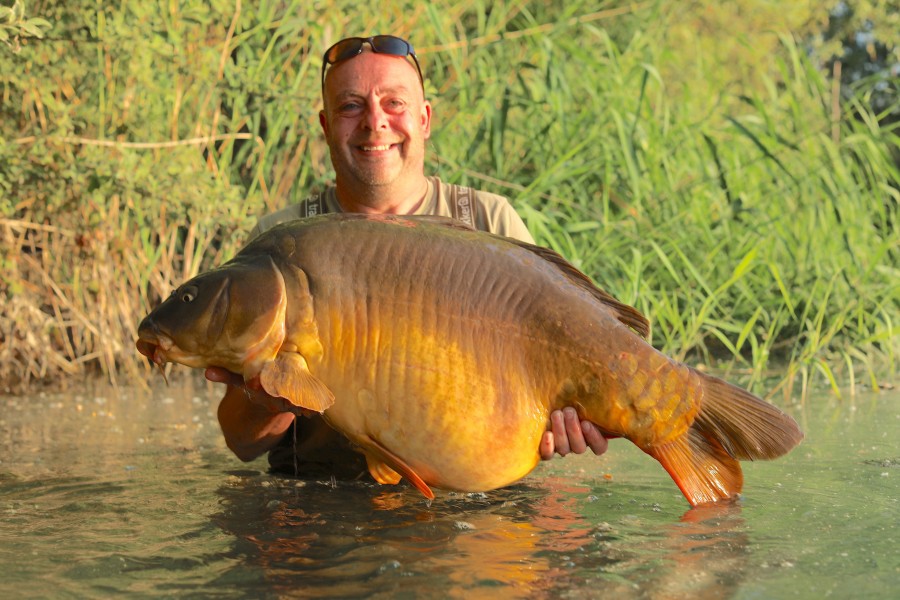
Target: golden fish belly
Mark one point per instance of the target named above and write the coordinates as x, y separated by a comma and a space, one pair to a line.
445, 404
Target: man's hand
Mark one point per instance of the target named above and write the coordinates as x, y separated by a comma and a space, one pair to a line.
220, 375
568, 435
253, 391
252, 421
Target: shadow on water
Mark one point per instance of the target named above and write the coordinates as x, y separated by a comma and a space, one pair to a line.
108, 492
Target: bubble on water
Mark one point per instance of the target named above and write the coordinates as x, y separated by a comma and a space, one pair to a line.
464, 526
391, 565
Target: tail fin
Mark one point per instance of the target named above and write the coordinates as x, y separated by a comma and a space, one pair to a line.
732, 425
749, 428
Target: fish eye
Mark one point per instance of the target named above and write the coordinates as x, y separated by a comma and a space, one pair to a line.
188, 294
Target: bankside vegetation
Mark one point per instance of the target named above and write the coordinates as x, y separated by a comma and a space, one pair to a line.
699, 160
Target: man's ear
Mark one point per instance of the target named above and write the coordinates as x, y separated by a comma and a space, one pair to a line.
426, 119
323, 121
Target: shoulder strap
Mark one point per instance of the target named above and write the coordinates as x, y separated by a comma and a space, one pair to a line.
463, 204
313, 205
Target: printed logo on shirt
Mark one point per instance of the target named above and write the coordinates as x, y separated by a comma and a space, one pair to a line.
312, 206
463, 205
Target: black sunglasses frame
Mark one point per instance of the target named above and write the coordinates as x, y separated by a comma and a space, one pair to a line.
350, 47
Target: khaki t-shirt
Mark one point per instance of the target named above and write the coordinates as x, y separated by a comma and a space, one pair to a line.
483, 210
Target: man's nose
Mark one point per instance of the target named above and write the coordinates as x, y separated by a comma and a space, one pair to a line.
375, 118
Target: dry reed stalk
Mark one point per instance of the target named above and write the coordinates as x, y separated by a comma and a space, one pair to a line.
79, 295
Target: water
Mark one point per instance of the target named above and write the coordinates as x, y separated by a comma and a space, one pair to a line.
106, 492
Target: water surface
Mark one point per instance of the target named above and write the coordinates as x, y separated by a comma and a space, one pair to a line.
105, 492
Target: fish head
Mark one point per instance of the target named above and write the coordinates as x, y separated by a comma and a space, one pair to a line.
230, 317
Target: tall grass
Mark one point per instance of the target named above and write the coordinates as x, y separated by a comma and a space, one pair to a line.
753, 224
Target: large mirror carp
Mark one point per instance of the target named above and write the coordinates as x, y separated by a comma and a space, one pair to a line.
440, 352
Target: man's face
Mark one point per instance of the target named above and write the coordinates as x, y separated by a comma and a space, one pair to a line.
376, 120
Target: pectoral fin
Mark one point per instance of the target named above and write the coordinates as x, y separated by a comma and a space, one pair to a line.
387, 468
288, 377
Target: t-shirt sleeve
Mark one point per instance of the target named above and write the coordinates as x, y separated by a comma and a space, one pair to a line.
504, 220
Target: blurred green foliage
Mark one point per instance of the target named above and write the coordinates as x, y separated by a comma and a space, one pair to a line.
15, 26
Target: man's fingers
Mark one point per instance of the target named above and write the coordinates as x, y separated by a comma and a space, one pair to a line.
220, 375
573, 431
547, 446
558, 427
594, 438
568, 434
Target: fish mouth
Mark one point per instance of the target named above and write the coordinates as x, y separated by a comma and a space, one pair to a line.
155, 347
162, 349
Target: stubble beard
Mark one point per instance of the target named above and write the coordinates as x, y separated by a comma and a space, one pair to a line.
381, 174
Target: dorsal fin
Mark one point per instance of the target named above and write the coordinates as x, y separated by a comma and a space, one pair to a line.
628, 315
441, 221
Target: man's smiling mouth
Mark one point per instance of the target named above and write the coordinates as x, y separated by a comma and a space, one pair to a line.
380, 148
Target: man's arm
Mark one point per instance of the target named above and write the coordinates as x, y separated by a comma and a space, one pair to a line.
252, 422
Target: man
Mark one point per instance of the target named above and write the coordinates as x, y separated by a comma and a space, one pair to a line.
376, 121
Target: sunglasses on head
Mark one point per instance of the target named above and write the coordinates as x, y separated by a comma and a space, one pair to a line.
381, 44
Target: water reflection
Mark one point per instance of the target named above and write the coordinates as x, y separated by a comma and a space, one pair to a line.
532, 540
133, 494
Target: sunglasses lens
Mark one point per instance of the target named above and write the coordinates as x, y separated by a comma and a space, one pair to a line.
388, 44
343, 50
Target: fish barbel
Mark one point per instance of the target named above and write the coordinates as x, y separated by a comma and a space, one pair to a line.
440, 352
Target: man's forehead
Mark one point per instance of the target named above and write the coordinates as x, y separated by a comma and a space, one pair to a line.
388, 89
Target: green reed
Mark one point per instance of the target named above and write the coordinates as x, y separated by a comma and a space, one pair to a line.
718, 186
